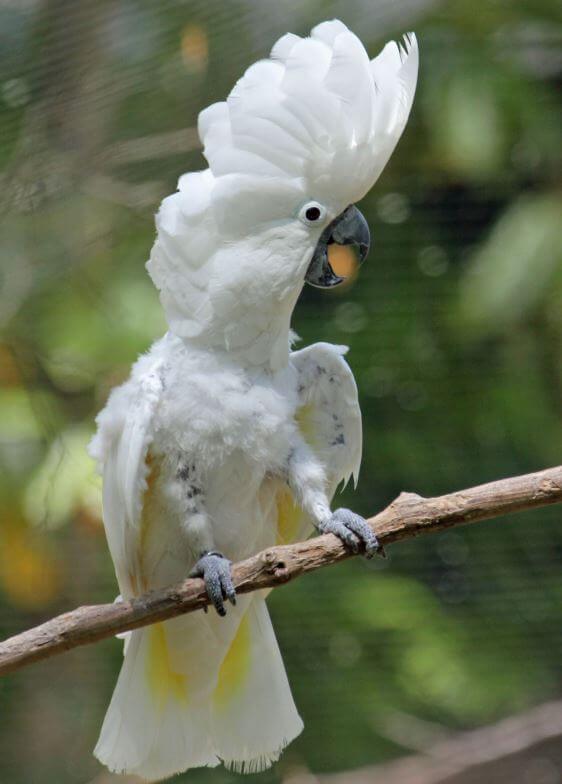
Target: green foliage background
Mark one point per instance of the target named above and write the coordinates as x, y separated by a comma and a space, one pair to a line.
454, 324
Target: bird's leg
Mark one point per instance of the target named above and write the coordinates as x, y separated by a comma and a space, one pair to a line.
353, 530
212, 566
307, 479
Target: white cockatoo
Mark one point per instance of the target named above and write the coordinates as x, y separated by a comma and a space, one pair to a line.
224, 441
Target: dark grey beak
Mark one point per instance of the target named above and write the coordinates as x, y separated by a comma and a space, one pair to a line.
349, 228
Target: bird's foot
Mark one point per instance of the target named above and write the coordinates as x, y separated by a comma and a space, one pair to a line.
215, 570
354, 531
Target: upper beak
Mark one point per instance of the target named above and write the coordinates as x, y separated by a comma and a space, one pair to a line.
349, 228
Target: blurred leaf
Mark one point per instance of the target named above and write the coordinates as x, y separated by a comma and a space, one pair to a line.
194, 48
432, 653
469, 133
19, 419
65, 482
513, 269
29, 572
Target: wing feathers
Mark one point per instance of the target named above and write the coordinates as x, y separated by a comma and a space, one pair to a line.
330, 414
121, 446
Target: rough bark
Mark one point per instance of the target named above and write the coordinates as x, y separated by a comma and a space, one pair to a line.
408, 516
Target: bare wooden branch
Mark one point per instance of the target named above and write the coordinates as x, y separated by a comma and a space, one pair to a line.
497, 753
408, 516
158, 145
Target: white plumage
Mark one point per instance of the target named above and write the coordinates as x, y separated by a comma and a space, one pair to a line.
222, 439
316, 122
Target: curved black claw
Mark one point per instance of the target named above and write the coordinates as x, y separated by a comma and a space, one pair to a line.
214, 568
354, 531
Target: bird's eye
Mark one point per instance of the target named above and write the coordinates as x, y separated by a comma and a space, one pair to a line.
312, 213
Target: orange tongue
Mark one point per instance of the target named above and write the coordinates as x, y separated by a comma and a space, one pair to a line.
343, 259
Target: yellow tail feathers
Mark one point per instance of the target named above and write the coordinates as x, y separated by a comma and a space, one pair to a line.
164, 682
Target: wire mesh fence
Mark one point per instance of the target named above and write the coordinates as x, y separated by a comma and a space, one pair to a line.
455, 339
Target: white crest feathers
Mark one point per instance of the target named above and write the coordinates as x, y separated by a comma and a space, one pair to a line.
317, 110
318, 120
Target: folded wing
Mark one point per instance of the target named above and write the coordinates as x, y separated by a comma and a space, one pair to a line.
329, 416
121, 448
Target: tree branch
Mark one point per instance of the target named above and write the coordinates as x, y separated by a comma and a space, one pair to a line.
158, 145
408, 516
494, 753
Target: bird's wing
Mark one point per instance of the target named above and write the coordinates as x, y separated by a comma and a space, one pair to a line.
329, 416
125, 431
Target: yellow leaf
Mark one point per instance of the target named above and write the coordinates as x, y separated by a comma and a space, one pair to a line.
28, 571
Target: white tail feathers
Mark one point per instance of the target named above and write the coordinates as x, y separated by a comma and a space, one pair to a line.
148, 730
197, 691
254, 716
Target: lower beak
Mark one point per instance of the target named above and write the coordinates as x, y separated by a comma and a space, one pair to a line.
349, 228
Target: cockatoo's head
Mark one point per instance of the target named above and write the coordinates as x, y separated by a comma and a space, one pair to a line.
301, 138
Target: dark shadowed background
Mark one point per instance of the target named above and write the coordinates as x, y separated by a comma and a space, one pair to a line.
455, 330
